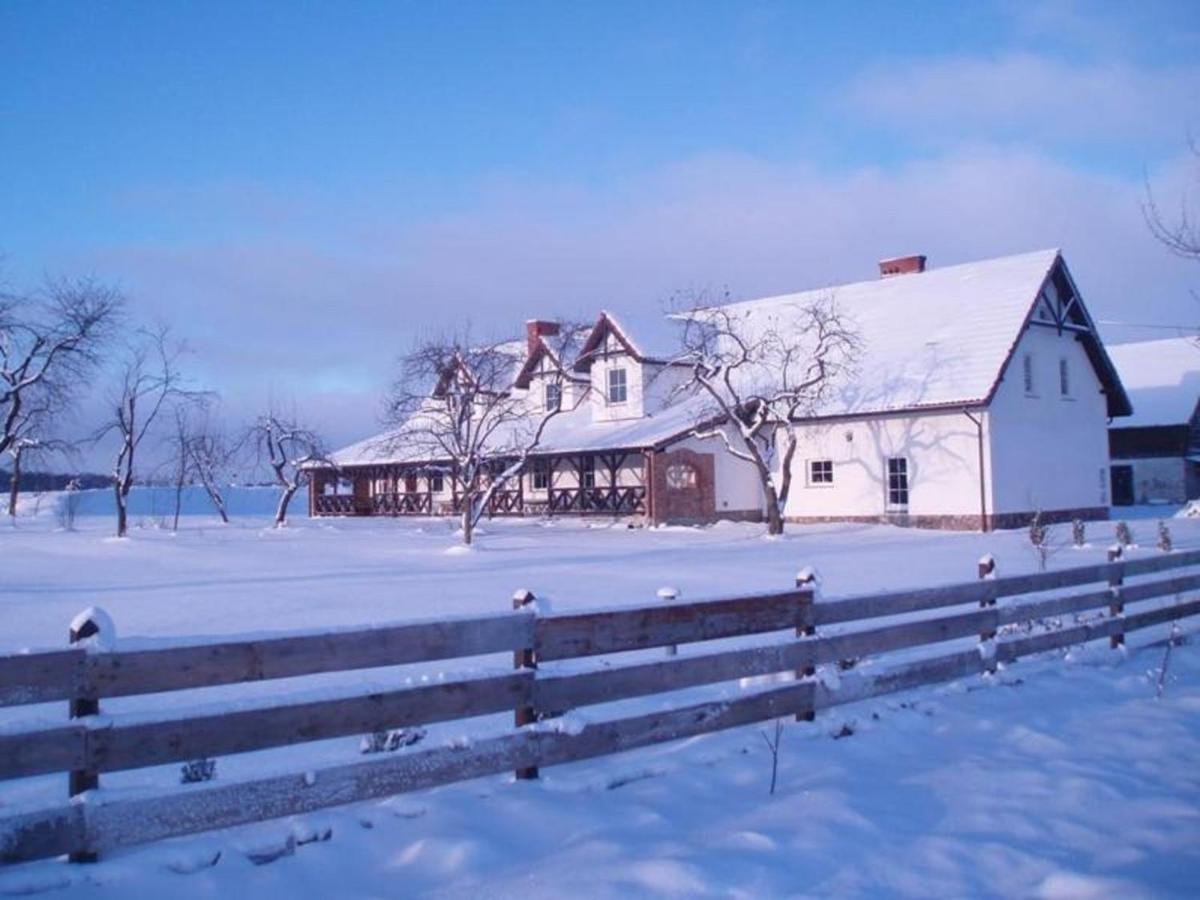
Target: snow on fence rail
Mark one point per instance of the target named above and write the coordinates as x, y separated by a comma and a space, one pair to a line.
89, 745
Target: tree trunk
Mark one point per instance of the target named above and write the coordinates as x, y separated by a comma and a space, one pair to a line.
217, 501
468, 520
774, 516
122, 513
15, 486
178, 503
285, 498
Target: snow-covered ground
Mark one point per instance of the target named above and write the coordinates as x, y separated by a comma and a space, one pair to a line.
1062, 777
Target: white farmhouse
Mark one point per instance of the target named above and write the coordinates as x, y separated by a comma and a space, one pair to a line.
982, 394
1156, 451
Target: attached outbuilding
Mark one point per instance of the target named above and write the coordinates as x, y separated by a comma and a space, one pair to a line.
1156, 451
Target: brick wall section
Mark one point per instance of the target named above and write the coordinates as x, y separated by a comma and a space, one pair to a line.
963, 523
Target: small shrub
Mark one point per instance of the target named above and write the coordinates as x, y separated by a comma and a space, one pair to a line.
1078, 533
198, 770
1124, 534
1039, 539
1164, 537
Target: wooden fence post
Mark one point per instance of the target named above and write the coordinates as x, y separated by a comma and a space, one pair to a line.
525, 658
669, 595
1115, 554
987, 572
93, 624
806, 582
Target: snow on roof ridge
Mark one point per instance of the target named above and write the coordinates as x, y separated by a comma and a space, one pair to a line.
1050, 253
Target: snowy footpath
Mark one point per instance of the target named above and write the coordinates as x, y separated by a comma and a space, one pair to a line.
1062, 776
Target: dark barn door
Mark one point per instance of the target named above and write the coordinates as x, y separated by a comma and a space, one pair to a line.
1122, 485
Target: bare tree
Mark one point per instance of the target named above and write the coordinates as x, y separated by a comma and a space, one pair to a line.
289, 449
211, 456
197, 451
49, 343
760, 374
1179, 233
32, 439
148, 381
456, 403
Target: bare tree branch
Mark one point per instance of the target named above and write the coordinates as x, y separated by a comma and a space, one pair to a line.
760, 373
455, 402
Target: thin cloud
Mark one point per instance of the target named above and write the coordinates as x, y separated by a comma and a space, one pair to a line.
1027, 97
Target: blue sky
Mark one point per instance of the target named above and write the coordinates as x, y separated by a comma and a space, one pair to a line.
302, 188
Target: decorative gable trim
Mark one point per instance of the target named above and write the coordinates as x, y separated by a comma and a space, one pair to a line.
1067, 313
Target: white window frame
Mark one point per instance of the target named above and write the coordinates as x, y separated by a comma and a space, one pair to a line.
900, 487
437, 482
555, 388
820, 473
613, 382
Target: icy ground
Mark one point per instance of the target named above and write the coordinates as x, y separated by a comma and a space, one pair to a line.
1062, 777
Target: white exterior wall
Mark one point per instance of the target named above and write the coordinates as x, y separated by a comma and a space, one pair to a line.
617, 358
1049, 452
736, 485
942, 450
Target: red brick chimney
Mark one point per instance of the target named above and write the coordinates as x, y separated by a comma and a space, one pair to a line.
901, 265
535, 329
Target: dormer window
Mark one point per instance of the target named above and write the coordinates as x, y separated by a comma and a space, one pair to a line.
618, 391
553, 396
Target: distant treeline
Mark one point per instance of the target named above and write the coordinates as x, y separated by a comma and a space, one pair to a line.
50, 481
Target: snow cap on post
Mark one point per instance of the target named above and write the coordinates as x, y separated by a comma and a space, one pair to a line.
668, 593
93, 628
987, 567
808, 578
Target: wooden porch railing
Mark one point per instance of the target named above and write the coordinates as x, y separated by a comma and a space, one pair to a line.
535, 690
403, 504
612, 500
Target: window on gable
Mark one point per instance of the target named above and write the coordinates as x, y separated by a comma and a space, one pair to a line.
553, 398
897, 482
618, 391
820, 471
1027, 372
1064, 378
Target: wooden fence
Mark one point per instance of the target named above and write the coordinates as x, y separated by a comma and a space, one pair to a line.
89, 744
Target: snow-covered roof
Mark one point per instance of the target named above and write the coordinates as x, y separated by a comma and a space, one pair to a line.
570, 431
938, 338
941, 337
1162, 378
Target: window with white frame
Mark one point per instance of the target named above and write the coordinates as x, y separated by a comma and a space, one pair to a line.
820, 472
897, 482
436, 483
540, 477
618, 391
1064, 378
1027, 373
553, 396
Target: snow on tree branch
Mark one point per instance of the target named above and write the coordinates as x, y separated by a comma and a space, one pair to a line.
760, 373
455, 403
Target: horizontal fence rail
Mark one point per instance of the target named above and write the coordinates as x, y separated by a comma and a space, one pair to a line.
537, 694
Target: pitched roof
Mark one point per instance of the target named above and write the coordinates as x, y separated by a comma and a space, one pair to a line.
939, 338
1163, 380
571, 431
